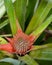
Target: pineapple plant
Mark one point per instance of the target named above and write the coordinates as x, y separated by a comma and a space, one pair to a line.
26, 32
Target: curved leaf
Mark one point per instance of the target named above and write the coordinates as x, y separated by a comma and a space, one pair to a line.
28, 60
44, 53
2, 41
10, 60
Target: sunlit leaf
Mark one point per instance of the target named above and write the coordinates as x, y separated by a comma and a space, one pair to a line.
28, 60
44, 53
11, 15
2, 41
40, 16
43, 26
31, 8
20, 8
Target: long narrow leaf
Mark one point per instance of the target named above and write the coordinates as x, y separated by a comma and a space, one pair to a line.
2, 8
30, 7
3, 24
10, 60
43, 53
20, 8
28, 60
43, 26
11, 15
6, 35
39, 17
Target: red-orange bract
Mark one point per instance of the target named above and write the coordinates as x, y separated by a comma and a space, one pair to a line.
19, 44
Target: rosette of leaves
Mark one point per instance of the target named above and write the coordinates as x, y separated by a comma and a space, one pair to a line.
34, 17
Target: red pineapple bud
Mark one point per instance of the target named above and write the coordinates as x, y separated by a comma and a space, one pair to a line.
19, 44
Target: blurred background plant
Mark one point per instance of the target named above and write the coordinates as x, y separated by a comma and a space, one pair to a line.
34, 17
